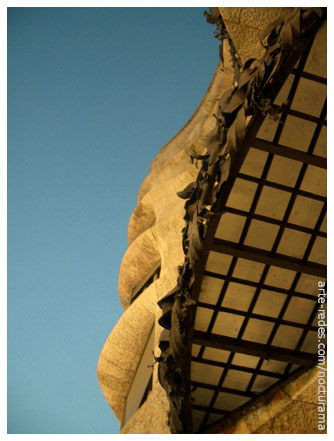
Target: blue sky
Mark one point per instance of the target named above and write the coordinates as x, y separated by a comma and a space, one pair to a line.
93, 95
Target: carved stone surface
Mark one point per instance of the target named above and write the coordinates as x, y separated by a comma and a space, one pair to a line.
154, 234
245, 25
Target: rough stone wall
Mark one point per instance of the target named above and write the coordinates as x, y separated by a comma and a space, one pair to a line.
159, 217
245, 25
154, 234
152, 416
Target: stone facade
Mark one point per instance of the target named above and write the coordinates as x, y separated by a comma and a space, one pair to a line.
154, 235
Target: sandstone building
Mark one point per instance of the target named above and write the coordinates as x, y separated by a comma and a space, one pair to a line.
226, 265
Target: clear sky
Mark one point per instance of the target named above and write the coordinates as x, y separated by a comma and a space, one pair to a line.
93, 95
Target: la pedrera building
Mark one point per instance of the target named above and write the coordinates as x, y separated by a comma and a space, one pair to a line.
224, 282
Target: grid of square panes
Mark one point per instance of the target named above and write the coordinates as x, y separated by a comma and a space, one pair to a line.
276, 209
